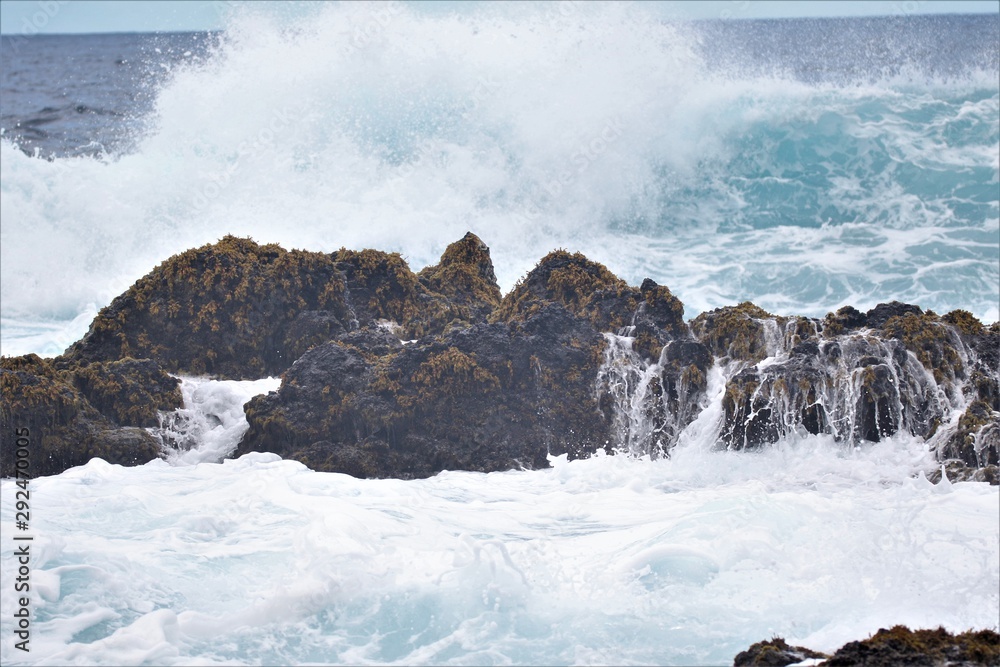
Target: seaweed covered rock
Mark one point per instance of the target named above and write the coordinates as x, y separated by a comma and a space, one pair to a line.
241, 310
573, 359
487, 397
774, 653
458, 291
585, 288
958, 470
858, 377
234, 308
931, 648
887, 648
64, 429
129, 392
737, 332
383, 288
936, 344
465, 276
845, 319
883, 312
495, 395
963, 356
659, 319
976, 440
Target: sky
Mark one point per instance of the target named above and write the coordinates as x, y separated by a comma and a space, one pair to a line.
29, 17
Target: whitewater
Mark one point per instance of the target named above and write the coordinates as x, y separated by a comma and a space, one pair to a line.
611, 560
598, 128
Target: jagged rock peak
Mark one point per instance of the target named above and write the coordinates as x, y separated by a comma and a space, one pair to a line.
465, 274
585, 288
468, 251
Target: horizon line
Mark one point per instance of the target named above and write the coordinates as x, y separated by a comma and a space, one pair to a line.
734, 19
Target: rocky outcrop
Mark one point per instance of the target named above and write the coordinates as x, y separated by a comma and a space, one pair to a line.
81, 412
572, 360
888, 648
859, 377
492, 396
239, 310
496, 395
234, 309
465, 277
774, 653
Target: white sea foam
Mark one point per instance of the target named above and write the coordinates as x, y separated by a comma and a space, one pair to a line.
612, 559
211, 422
598, 129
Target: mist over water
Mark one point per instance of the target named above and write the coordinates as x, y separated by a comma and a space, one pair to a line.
726, 173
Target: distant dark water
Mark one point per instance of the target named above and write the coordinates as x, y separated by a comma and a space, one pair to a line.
845, 50
89, 94
86, 94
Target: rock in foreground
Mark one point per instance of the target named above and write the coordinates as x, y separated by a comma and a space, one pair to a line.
77, 413
887, 648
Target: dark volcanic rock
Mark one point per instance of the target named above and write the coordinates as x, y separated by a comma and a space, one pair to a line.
930, 648
129, 392
492, 396
488, 397
64, 429
465, 277
774, 653
880, 314
572, 360
888, 648
736, 332
586, 289
225, 308
845, 319
240, 310
458, 291
842, 377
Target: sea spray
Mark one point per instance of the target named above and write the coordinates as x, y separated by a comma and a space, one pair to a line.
211, 422
854, 386
723, 182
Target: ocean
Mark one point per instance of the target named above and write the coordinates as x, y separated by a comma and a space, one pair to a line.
800, 164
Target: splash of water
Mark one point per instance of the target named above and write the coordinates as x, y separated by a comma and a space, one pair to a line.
600, 129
